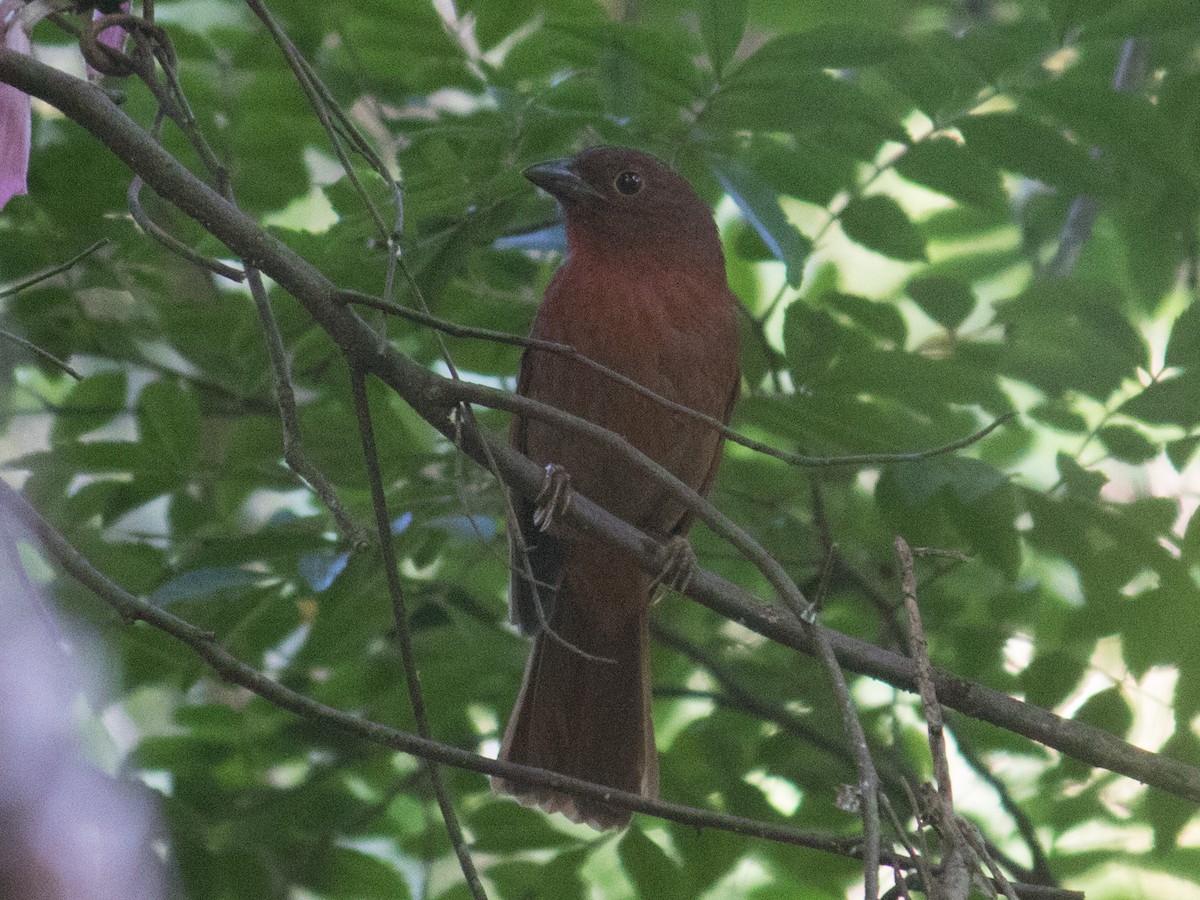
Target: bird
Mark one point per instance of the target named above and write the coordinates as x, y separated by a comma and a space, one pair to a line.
642, 291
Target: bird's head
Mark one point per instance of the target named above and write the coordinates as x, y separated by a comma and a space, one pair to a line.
617, 200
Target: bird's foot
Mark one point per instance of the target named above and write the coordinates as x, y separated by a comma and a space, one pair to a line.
554, 498
677, 564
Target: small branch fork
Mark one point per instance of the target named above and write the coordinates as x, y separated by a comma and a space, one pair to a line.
964, 855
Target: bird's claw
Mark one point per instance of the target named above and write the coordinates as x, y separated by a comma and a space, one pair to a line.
554, 497
677, 564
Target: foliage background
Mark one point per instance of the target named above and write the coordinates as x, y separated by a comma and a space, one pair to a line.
936, 214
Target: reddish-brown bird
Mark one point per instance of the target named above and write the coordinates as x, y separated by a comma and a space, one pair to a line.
643, 291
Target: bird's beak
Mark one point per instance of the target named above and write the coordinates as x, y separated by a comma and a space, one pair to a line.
557, 178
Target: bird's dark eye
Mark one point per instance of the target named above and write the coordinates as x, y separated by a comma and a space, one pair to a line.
628, 183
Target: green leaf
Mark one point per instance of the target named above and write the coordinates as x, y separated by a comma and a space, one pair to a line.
1068, 14
1081, 483
835, 46
1059, 414
787, 104
1068, 334
880, 318
1107, 710
1119, 123
1181, 452
505, 827
205, 584
1052, 675
802, 167
653, 873
1175, 401
1128, 444
811, 340
948, 167
760, 206
92, 402
948, 301
878, 223
168, 419
722, 23
1014, 141
1183, 347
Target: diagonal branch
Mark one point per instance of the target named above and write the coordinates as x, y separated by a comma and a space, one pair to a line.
232, 669
800, 460
427, 393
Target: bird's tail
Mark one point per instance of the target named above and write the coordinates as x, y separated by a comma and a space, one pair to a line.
584, 707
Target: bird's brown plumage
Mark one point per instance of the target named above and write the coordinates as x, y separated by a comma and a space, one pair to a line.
643, 291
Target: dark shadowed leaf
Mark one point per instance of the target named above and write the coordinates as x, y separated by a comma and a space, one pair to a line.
1019, 143
91, 403
948, 301
1175, 401
841, 46
951, 169
878, 222
1128, 444
650, 869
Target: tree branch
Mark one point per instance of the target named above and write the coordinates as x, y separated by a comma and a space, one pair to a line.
205, 645
433, 398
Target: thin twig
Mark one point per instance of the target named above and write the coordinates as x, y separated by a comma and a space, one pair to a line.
285, 395
44, 354
152, 228
868, 778
918, 649
970, 834
794, 459
317, 101
893, 635
229, 667
412, 677
1041, 873
54, 270
172, 243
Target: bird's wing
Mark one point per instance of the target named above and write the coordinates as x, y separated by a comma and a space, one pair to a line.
685, 522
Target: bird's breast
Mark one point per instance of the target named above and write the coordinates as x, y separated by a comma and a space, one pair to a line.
671, 332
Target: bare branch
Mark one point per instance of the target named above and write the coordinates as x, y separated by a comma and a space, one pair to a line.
285, 395
793, 459
412, 677
54, 270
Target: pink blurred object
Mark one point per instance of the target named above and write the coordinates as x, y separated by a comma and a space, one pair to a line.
15, 112
69, 831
